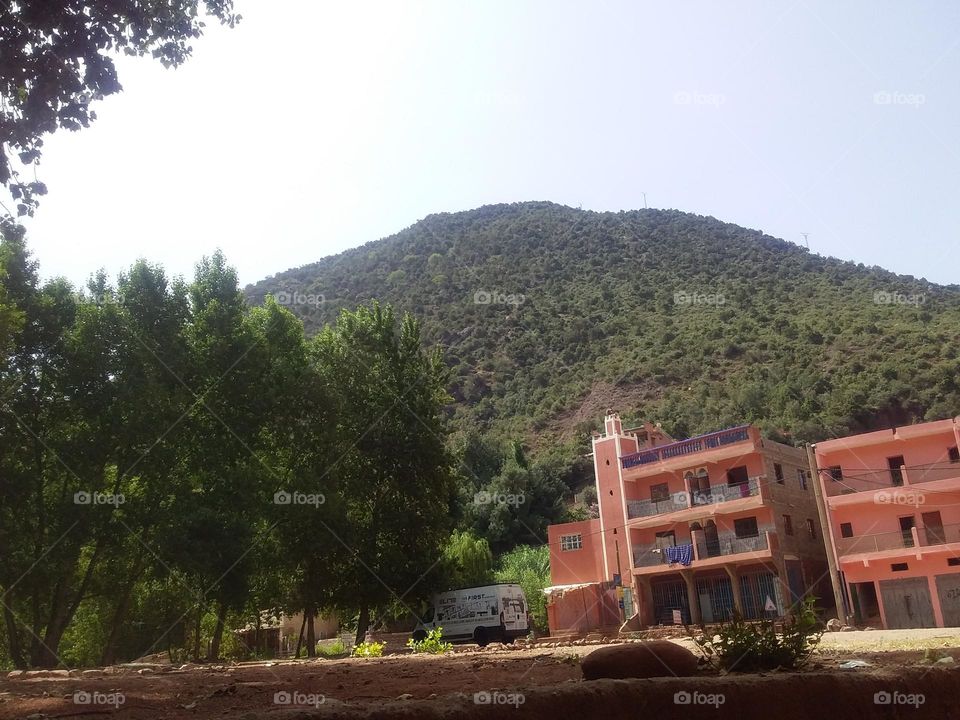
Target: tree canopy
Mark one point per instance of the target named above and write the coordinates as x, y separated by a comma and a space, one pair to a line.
57, 58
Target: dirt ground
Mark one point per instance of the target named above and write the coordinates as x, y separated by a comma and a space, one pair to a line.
252, 690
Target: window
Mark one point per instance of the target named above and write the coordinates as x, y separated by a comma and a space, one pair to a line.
738, 475
836, 473
778, 472
953, 561
846, 530
802, 478
659, 492
811, 529
954, 454
899, 567
666, 538
788, 524
746, 527
571, 542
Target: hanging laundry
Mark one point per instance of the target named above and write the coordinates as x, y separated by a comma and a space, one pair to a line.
682, 554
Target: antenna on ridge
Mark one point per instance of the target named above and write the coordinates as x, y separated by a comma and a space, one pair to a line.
644, 200
805, 235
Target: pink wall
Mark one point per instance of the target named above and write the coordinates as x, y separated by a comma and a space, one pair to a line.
863, 459
876, 506
569, 567
639, 489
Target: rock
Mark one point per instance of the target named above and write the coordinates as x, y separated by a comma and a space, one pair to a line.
405, 696
847, 628
91, 673
144, 671
834, 625
654, 658
949, 661
34, 674
15, 674
868, 627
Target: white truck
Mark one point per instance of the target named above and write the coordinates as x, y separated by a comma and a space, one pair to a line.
488, 613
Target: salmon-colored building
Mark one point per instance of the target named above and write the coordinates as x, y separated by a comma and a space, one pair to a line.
893, 503
693, 530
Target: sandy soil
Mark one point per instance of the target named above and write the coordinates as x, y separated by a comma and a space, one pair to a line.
246, 690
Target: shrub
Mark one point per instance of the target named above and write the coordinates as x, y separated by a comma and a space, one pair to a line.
368, 649
750, 646
334, 649
432, 643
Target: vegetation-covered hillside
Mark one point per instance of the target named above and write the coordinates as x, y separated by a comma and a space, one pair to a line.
549, 315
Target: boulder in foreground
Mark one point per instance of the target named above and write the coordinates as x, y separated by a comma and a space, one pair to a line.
654, 658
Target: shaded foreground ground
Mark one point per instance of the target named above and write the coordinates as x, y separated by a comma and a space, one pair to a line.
423, 686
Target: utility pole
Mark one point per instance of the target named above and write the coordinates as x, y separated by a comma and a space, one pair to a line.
644, 200
619, 591
827, 535
805, 240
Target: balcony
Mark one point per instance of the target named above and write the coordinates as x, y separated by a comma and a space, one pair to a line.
725, 545
862, 481
723, 493
729, 544
648, 556
683, 501
691, 446
647, 508
923, 537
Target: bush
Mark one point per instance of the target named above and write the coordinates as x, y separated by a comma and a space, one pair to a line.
750, 646
432, 643
368, 649
334, 649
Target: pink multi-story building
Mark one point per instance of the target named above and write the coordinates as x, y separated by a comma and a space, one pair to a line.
893, 503
693, 530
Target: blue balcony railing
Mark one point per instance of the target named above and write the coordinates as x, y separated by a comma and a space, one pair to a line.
687, 447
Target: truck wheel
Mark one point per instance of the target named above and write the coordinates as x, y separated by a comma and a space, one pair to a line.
419, 636
480, 636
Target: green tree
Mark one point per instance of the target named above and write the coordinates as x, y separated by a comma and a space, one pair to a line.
56, 60
395, 476
529, 567
467, 560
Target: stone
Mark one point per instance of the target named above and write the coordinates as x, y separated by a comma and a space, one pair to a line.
91, 673
834, 625
653, 658
847, 628
405, 696
946, 661
15, 674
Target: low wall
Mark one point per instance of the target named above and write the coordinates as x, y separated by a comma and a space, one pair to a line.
785, 696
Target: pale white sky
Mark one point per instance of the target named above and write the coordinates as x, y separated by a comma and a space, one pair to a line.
317, 126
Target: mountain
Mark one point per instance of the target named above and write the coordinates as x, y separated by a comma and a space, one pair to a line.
549, 315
